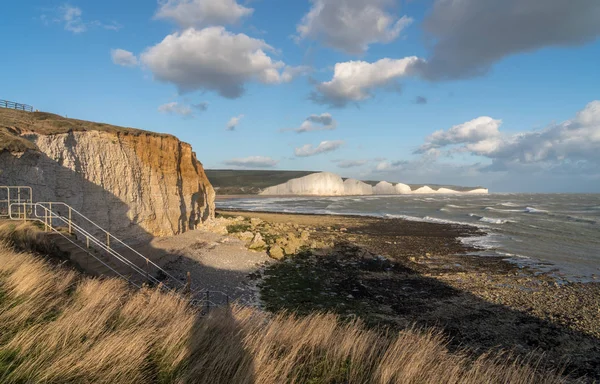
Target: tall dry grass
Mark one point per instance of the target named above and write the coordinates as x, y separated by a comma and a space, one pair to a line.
59, 327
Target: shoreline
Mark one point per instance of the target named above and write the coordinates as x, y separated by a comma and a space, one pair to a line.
399, 273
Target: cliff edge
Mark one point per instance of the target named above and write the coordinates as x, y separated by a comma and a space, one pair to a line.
129, 181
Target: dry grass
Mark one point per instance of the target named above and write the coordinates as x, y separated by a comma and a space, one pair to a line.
59, 327
48, 124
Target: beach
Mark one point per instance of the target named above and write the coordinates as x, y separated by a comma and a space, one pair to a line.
396, 273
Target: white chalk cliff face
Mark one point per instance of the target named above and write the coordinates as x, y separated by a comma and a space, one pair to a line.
316, 184
354, 187
134, 185
330, 184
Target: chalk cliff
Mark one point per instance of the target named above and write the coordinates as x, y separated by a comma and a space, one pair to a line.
317, 184
131, 182
330, 184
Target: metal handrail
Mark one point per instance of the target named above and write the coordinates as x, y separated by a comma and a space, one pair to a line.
27, 210
77, 245
18, 189
109, 235
48, 223
50, 215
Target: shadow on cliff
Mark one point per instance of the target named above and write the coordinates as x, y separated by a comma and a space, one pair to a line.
48, 179
216, 330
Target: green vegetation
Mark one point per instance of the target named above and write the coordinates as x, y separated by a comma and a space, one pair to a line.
237, 182
238, 228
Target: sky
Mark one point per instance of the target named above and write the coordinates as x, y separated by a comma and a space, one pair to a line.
501, 94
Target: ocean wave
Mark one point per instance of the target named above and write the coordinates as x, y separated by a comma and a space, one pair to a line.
509, 204
493, 221
454, 206
534, 210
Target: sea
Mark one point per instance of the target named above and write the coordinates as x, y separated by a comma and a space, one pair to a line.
555, 233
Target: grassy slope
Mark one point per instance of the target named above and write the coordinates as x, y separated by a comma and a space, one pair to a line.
58, 326
13, 123
233, 182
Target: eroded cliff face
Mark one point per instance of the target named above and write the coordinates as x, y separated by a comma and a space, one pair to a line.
132, 184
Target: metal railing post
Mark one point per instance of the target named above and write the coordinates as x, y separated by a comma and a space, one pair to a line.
70, 222
51, 224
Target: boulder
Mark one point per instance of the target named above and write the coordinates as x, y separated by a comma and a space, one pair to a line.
276, 252
257, 242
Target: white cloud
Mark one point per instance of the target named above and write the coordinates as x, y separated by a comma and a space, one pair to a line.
325, 146
252, 162
469, 36
123, 58
354, 81
71, 18
176, 108
351, 25
322, 122
574, 144
214, 59
481, 129
351, 163
233, 122
202, 13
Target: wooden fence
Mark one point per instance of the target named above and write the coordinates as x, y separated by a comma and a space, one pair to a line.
13, 105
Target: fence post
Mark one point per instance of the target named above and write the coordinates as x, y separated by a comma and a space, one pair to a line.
70, 226
50, 223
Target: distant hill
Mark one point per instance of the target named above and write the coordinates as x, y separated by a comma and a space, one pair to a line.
242, 182
238, 182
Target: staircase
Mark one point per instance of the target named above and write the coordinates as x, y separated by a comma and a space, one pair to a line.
78, 254
93, 249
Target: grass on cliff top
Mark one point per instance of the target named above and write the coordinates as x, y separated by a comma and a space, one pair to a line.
14, 122
58, 326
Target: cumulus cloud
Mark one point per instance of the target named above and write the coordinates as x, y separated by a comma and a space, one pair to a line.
176, 108
351, 25
354, 81
322, 122
570, 145
202, 13
325, 146
123, 58
471, 35
480, 130
252, 162
234, 122
350, 163
213, 59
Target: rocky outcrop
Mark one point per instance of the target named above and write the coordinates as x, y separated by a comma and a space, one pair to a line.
133, 183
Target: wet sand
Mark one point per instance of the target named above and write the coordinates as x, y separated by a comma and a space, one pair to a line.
397, 273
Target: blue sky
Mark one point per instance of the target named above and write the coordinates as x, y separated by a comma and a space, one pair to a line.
510, 88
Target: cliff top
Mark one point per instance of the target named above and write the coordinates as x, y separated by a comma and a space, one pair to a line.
14, 123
